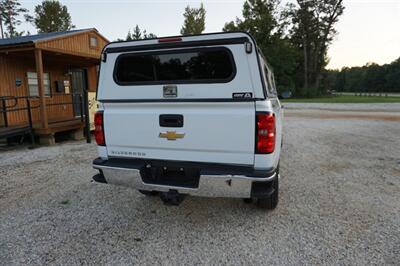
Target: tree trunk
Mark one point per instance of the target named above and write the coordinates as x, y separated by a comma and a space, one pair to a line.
319, 63
1, 28
11, 26
305, 53
318, 79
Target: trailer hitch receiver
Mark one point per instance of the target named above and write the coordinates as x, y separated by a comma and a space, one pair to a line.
172, 197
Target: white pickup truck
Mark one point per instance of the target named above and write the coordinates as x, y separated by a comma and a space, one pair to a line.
189, 115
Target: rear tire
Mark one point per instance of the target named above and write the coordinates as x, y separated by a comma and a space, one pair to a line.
271, 202
148, 193
248, 200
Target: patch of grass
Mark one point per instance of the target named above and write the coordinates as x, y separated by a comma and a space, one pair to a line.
345, 99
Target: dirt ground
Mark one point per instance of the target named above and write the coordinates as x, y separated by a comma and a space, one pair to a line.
339, 204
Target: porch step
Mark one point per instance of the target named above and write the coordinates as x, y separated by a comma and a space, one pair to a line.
9, 132
60, 126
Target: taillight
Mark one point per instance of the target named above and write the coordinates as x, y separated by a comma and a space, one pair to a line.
99, 128
265, 133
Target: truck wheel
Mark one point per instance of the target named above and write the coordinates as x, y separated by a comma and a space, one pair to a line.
248, 200
271, 202
148, 193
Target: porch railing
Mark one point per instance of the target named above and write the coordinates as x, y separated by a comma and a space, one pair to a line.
10, 104
74, 100
26, 104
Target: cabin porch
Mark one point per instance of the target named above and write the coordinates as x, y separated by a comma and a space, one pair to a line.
61, 104
53, 73
29, 123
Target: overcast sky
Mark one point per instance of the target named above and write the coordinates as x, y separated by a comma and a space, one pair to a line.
369, 30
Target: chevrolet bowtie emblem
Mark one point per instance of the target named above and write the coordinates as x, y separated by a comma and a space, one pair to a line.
171, 135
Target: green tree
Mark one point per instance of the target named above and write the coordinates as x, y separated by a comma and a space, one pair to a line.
371, 78
51, 16
374, 80
138, 34
262, 19
392, 77
10, 11
194, 22
312, 31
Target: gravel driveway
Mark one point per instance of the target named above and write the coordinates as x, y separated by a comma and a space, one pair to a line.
339, 204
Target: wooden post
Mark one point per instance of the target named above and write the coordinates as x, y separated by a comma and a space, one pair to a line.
86, 104
4, 107
39, 72
28, 106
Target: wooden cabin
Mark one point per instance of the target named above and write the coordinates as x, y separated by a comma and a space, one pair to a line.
49, 73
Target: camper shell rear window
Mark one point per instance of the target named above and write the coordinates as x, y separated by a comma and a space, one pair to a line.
198, 65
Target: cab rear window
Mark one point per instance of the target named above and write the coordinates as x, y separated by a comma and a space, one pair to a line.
202, 65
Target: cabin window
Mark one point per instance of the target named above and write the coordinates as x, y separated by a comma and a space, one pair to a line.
93, 41
33, 84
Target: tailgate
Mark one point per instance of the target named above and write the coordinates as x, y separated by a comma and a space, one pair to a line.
217, 132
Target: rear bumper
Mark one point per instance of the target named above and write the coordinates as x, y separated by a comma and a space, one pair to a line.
214, 180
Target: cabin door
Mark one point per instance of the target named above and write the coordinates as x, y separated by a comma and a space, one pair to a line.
78, 87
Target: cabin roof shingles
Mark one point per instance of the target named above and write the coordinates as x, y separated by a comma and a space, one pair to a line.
39, 37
